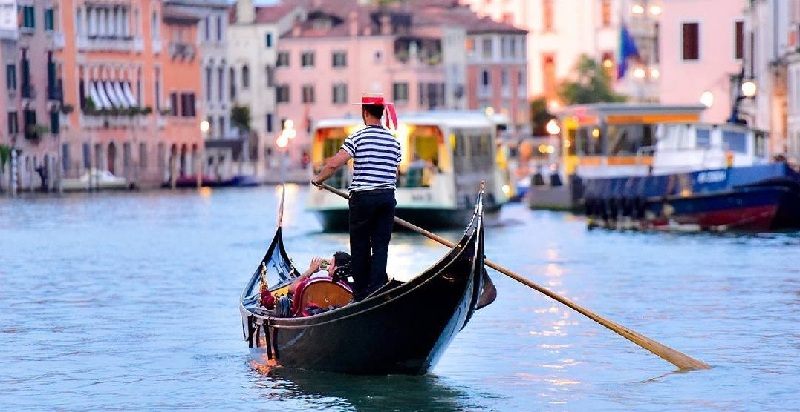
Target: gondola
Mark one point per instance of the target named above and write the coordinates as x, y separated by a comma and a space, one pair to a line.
403, 328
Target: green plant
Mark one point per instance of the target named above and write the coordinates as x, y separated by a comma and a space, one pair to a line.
240, 118
591, 84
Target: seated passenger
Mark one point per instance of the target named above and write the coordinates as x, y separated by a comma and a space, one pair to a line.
340, 259
314, 293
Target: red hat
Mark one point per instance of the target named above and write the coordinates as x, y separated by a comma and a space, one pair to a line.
391, 113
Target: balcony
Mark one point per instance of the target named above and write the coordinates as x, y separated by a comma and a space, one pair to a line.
182, 51
109, 43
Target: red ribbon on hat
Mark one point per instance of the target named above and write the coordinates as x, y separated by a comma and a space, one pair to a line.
388, 109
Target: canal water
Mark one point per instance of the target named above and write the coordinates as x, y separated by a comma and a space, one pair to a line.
128, 302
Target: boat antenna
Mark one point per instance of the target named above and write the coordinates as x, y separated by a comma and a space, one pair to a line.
280, 206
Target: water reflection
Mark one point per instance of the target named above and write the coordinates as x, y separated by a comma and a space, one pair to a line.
310, 390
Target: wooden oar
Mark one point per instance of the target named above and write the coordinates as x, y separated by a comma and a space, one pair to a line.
682, 361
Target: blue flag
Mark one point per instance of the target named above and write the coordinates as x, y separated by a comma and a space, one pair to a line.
627, 49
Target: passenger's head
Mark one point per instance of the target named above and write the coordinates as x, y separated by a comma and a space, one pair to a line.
340, 259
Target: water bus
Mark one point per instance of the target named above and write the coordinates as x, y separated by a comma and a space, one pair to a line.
605, 140
445, 157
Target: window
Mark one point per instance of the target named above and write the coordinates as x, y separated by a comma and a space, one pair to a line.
400, 92
11, 77
522, 84
283, 59
738, 40
13, 123
340, 93
270, 122
208, 89
505, 81
339, 59
487, 48
245, 77
469, 46
486, 80
221, 84
222, 131
173, 103
48, 19
691, 41
219, 28
268, 40
547, 15
232, 83
308, 93
156, 87
55, 122
282, 94
549, 75
187, 104
28, 17
307, 59
142, 156
207, 28
269, 72
605, 13
65, 157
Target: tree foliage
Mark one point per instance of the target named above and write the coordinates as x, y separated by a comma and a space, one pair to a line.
591, 84
240, 118
540, 115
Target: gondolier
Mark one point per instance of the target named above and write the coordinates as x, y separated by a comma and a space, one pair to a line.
376, 157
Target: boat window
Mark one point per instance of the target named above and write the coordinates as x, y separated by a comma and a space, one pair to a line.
703, 138
627, 139
761, 144
734, 141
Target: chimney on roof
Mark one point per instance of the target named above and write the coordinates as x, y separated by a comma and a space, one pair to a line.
386, 25
353, 23
245, 12
296, 30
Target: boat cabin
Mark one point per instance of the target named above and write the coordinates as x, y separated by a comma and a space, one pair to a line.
606, 139
695, 146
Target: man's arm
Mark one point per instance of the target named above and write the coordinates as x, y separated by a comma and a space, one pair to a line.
313, 268
331, 166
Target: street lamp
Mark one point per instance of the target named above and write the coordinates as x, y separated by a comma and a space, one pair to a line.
553, 129
746, 89
282, 141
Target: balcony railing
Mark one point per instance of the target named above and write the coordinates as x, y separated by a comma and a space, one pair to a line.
183, 51
109, 43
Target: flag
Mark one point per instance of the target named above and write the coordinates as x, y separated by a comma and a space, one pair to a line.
627, 49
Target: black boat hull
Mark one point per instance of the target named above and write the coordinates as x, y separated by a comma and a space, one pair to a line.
404, 328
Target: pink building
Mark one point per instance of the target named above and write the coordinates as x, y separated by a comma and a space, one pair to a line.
414, 53
701, 49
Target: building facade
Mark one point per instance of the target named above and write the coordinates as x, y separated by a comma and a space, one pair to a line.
558, 33
253, 37
702, 51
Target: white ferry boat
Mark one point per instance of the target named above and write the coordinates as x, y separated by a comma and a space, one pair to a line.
445, 157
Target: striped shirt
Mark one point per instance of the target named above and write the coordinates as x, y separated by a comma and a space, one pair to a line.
376, 155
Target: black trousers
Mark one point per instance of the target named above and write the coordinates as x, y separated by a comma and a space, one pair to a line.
371, 222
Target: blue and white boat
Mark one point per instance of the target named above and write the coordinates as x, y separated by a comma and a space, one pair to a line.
703, 177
